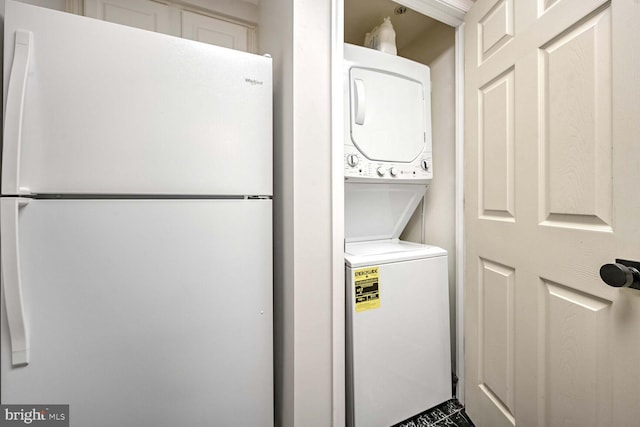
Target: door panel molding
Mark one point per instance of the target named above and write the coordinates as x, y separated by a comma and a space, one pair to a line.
496, 337
496, 143
575, 137
495, 29
575, 357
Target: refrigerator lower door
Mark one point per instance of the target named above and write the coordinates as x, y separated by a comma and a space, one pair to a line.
146, 312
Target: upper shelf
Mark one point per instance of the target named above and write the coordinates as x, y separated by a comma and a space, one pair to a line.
451, 12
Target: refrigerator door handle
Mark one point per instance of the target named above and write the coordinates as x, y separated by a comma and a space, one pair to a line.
14, 112
10, 258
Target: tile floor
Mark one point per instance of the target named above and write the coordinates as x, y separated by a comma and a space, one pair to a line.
450, 413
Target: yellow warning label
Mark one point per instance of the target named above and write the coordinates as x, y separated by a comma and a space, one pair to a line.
367, 288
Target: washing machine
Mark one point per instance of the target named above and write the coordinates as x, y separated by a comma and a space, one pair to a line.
397, 294
398, 334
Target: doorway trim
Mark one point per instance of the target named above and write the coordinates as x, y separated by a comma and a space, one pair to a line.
460, 260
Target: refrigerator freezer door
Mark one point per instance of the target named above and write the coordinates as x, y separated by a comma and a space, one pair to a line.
118, 110
146, 312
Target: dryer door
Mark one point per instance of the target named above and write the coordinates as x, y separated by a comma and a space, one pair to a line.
388, 115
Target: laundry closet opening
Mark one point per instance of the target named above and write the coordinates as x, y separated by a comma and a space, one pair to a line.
430, 42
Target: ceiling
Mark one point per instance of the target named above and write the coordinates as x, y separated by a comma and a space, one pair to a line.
360, 16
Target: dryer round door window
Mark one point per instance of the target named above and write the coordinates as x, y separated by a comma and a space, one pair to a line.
388, 120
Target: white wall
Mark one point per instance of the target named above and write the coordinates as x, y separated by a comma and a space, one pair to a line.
276, 38
298, 38
435, 48
312, 213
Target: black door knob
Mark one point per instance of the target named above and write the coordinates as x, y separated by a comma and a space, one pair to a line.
622, 274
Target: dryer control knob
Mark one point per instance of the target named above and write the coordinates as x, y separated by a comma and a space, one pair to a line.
352, 160
393, 172
381, 171
425, 165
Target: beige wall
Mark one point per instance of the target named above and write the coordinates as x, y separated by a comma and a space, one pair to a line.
298, 38
435, 48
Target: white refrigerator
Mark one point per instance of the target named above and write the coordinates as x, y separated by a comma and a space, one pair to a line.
136, 225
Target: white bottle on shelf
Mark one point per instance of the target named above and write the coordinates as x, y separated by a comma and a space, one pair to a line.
382, 38
387, 37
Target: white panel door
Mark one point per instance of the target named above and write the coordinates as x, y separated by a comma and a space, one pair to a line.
146, 312
144, 14
214, 31
552, 167
121, 110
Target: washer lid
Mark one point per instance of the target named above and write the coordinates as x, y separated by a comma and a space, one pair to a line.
379, 211
361, 254
388, 121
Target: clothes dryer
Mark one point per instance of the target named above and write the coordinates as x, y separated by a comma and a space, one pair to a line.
387, 117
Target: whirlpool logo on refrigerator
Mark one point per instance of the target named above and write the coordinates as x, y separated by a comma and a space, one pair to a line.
253, 82
38, 415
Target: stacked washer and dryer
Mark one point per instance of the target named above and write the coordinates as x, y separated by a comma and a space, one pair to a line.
397, 298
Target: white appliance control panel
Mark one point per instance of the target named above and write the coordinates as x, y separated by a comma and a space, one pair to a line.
356, 165
387, 111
